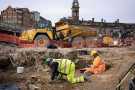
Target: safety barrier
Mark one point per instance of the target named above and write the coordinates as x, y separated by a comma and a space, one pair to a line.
89, 43
15, 40
63, 44
9, 38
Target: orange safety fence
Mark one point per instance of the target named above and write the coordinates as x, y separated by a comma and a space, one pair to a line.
26, 44
15, 40
86, 44
63, 44
9, 38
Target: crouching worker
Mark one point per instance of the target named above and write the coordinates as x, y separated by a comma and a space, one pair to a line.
98, 65
60, 67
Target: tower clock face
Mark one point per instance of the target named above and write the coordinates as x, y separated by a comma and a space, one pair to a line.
76, 4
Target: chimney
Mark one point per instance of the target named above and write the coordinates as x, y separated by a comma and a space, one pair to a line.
93, 20
102, 20
118, 20
82, 20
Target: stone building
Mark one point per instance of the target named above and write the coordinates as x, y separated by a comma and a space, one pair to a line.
24, 18
17, 16
75, 11
40, 22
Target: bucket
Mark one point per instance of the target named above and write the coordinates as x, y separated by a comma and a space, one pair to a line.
20, 69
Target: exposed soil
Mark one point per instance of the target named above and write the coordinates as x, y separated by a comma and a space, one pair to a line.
36, 76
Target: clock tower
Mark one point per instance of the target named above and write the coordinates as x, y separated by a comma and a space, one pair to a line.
75, 11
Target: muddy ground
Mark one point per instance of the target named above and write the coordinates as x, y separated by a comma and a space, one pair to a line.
36, 76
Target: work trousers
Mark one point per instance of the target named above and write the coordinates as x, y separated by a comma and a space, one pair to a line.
71, 76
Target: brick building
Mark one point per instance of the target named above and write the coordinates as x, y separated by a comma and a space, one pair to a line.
17, 16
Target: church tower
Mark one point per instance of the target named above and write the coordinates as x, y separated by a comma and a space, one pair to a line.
75, 11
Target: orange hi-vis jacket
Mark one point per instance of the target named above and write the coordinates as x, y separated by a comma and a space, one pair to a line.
97, 67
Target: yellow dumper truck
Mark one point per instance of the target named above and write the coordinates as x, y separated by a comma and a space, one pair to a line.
40, 37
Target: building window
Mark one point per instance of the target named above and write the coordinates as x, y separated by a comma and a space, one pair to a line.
19, 22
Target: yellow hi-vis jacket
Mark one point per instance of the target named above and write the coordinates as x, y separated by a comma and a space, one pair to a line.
67, 67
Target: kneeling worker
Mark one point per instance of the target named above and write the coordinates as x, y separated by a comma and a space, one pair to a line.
98, 65
66, 67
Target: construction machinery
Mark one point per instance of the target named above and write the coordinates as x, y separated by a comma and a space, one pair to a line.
61, 35
109, 41
118, 38
78, 36
34, 37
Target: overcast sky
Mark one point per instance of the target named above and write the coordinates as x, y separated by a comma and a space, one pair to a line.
56, 9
